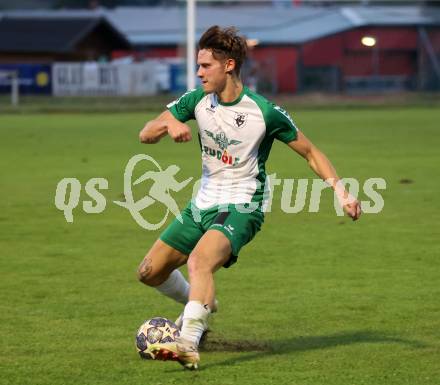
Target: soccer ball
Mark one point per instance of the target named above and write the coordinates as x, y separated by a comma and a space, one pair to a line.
153, 331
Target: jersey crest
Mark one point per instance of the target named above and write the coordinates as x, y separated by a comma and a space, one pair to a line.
240, 119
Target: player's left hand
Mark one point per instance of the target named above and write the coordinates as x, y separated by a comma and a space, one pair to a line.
353, 209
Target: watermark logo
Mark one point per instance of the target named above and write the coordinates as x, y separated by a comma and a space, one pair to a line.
68, 193
164, 182
70, 188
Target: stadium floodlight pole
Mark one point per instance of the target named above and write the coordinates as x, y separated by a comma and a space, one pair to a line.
190, 43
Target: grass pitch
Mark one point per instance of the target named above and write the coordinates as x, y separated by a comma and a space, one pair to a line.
314, 299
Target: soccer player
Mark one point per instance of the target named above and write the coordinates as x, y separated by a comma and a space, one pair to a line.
236, 129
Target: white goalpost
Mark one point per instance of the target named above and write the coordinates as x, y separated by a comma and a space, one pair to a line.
190, 43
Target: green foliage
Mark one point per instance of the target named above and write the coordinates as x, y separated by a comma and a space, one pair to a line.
314, 299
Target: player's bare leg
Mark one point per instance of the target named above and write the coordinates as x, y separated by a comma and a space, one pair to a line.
159, 270
211, 252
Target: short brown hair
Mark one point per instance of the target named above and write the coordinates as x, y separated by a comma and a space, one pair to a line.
225, 44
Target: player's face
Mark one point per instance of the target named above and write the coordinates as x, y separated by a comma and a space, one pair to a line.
212, 72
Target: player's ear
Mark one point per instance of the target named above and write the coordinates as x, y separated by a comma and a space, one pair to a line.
229, 66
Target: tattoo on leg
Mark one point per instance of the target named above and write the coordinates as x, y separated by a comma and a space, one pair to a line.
145, 268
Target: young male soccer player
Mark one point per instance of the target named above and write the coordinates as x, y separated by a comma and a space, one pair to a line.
236, 130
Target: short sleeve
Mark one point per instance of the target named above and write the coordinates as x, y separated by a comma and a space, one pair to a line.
281, 125
183, 108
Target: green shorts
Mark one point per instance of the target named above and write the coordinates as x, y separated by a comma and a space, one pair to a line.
234, 221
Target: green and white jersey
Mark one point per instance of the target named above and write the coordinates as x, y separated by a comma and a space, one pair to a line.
235, 140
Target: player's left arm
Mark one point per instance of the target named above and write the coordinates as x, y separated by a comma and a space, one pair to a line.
322, 167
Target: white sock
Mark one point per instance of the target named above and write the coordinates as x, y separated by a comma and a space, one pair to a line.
175, 287
195, 321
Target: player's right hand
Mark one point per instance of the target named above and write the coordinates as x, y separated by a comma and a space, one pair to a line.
179, 132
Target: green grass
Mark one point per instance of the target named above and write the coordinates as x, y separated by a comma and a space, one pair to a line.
314, 299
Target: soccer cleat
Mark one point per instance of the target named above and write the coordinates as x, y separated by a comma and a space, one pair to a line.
182, 351
164, 351
162, 354
188, 354
179, 320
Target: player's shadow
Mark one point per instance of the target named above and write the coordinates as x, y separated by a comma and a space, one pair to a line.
259, 350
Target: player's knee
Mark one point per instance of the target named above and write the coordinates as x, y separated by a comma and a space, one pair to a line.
147, 275
149, 278
196, 264
143, 275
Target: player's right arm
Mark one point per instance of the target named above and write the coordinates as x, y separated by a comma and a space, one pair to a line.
165, 124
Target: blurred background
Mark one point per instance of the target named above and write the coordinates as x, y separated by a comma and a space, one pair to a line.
129, 48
